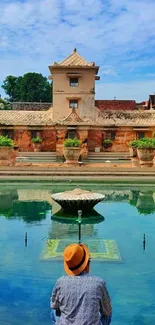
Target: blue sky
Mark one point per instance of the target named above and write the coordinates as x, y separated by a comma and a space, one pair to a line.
119, 35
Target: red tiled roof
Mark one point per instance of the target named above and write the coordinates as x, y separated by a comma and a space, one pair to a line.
115, 104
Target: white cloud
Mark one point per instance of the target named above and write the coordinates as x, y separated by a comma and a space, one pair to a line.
139, 90
118, 34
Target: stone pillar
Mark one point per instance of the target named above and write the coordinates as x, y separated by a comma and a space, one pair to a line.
83, 137
49, 140
94, 139
61, 134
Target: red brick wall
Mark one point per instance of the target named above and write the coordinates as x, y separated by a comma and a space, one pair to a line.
94, 139
122, 137
23, 139
49, 140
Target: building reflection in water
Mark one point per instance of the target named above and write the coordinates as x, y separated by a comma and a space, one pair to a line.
66, 226
35, 204
30, 205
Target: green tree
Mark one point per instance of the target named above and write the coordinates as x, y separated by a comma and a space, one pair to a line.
31, 87
4, 105
11, 85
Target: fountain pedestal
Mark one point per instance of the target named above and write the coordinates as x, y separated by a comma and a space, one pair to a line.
77, 199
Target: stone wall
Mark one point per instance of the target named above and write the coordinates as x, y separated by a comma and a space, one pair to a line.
52, 139
94, 139
30, 106
123, 135
22, 137
49, 140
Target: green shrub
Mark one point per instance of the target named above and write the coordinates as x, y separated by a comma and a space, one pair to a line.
133, 143
36, 140
107, 143
144, 143
6, 141
72, 143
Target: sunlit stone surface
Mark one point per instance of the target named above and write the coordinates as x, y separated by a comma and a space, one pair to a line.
77, 199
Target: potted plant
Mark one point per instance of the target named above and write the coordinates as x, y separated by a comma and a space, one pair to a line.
37, 144
107, 143
71, 151
133, 148
145, 203
6, 148
145, 151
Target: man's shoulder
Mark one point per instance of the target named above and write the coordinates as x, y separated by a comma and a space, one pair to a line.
88, 277
96, 279
62, 279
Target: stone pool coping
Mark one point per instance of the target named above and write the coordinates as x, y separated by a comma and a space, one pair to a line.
87, 172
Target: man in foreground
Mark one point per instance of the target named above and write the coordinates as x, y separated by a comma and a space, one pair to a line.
80, 299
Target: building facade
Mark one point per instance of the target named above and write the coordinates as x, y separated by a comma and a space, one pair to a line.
76, 113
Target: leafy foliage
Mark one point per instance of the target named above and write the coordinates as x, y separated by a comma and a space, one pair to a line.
4, 105
144, 143
107, 143
6, 141
31, 87
133, 143
36, 140
72, 143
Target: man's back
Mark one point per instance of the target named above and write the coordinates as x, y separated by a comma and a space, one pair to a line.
81, 300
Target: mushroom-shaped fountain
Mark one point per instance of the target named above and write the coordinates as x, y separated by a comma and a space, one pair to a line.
77, 199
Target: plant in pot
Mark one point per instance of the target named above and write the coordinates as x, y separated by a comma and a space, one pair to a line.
6, 148
37, 144
145, 203
133, 148
72, 150
107, 143
145, 151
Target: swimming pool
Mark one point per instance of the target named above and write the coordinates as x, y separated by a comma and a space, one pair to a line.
28, 270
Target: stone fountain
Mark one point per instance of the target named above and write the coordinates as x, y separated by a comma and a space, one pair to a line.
77, 199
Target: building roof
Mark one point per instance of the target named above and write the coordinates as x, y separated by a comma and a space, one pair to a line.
115, 104
73, 117
151, 102
105, 118
31, 106
152, 98
126, 118
74, 60
27, 118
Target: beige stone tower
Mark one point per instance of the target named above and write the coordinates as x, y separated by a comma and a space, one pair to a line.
73, 87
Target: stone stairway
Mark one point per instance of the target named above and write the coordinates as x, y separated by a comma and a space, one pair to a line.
37, 157
112, 156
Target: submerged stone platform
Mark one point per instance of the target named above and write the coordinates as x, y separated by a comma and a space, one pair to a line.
105, 250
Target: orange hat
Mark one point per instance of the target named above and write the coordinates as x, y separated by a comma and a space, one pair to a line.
76, 257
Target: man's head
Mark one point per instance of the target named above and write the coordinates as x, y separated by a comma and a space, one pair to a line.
76, 259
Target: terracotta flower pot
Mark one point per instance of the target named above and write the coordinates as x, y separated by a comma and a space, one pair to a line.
146, 156
135, 162
133, 152
6, 153
71, 154
37, 147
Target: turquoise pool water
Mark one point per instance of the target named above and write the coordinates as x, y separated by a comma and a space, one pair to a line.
28, 274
